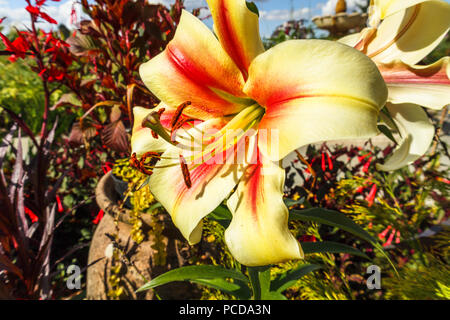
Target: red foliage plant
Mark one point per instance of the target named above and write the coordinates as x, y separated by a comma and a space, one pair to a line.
109, 48
98, 67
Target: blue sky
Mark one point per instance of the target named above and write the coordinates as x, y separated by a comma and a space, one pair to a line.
273, 12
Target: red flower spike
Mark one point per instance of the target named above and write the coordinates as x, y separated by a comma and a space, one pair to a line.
359, 190
307, 238
440, 179
371, 196
99, 217
330, 162
31, 215
391, 237
324, 168
59, 203
367, 165
107, 167
361, 158
397, 238
382, 235
14, 243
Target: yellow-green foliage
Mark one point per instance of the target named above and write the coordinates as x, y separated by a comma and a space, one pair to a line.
420, 282
213, 235
142, 202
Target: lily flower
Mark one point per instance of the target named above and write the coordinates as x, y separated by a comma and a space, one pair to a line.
419, 26
244, 110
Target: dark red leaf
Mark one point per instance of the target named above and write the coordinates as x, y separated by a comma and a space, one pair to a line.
114, 135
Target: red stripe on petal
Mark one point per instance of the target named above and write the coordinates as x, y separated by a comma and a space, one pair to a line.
189, 69
230, 41
398, 72
255, 183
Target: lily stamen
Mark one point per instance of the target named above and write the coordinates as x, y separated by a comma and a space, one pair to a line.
153, 122
230, 134
178, 113
147, 169
185, 171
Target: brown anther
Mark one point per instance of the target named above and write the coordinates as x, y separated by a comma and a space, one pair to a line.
160, 112
140, 165
178, 125
185, 171
146, 171
151, 155
178, 113
155, 135
134, 162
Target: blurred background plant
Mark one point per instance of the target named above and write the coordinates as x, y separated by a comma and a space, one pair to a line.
51, 81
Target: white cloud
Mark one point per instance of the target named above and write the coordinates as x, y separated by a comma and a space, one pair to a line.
275, 15
329, 7
20, 18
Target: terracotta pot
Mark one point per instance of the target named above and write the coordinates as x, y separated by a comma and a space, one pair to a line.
140, 256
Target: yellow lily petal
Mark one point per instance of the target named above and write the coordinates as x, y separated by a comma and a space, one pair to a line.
351, 40
417, 132
194, 67
142, 140
411, 34
387, 8
315, 90
211, 182
428, 86
238, 31
258, 234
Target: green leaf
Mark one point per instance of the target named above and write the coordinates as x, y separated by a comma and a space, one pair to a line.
274, 295
238, 288
332, 218
330, 247
252, 7
206, 275
337, 219
385, 130
290, 202
221, 215
260, 281
288, 279
155, 206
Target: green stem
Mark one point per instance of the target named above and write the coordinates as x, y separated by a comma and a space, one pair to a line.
260, 281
